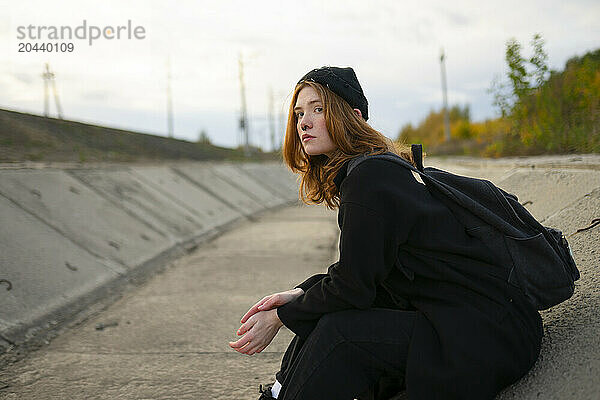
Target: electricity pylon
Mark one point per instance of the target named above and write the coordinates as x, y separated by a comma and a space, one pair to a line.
243, 113
169, 101
49, 78
271, 119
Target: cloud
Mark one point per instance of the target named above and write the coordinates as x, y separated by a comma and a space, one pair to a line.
457, 18
394, 47
95, 95
23, 77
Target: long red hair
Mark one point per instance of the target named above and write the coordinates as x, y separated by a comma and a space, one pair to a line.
349, 132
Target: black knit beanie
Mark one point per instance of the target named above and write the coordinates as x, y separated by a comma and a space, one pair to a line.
344, 83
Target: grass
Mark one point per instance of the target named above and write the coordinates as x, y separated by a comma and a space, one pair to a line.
36, 138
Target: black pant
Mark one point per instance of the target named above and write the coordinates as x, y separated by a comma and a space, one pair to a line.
346, 355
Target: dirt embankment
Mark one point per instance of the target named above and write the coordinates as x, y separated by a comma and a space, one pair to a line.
28, 137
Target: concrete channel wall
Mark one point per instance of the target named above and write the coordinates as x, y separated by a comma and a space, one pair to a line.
70, 236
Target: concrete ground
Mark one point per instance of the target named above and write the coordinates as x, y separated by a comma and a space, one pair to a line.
167, 339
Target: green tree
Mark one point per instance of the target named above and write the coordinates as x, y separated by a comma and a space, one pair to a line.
517, 71
524, 76
430, 130
539, 60
549, 111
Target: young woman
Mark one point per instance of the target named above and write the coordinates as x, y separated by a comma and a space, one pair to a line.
414, 301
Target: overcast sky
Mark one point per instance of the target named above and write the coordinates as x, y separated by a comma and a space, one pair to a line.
393, 46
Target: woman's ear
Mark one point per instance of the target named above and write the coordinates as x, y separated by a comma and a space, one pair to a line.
357, 111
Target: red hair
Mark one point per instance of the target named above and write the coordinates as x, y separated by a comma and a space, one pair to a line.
352, 136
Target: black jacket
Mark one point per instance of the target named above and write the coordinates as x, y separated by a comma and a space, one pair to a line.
402, 248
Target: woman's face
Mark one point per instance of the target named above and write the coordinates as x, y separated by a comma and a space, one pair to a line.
310, 123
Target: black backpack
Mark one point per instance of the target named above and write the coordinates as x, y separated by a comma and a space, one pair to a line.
540, 259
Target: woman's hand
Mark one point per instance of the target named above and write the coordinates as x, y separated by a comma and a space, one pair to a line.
258, 332
272, 301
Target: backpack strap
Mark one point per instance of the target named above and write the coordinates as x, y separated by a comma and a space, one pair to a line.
354, 163
417, 153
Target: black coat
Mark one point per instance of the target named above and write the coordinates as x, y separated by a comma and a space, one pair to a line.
402, 248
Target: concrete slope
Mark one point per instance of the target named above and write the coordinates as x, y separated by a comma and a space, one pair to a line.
227, 192
546, 192
255, 188
46, 271
147, 203
210, 209
278, 180
83, 216
72, 235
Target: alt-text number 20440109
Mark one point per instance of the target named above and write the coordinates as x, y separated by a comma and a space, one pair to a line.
46, 47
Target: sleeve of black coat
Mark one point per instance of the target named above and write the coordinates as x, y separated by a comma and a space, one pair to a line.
308, 283
367, 245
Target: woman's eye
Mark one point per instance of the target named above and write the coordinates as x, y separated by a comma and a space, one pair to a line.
299, 114
319, 109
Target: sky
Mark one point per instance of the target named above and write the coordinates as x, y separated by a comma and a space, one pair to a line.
394, 47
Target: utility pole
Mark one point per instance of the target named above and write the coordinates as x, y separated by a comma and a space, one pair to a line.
445, 94
243, 116
282, 121
49, 78
46, 76
169, 100
271, 119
